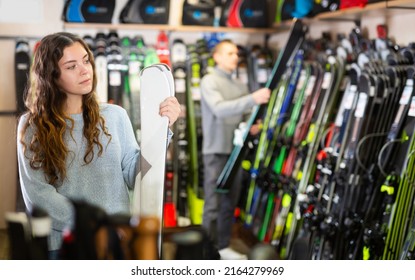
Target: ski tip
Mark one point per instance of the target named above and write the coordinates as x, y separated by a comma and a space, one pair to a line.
298, 25
161, 66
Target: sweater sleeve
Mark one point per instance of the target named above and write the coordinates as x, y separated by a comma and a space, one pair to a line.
220, 107
37, 192
130, 162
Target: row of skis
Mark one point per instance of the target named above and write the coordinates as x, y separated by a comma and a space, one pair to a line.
331, 175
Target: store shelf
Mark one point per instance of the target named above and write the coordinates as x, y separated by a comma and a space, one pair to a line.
383, 8
180, 28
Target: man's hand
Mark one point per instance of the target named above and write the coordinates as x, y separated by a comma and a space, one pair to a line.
170, 108
256, 128
262, 95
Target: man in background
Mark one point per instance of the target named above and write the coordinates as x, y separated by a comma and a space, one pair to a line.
225, 102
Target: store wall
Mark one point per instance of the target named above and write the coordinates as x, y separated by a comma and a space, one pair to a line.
36, 18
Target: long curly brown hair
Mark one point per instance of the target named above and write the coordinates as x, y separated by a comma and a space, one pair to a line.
46, 115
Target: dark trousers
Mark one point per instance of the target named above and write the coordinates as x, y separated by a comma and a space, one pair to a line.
218, 210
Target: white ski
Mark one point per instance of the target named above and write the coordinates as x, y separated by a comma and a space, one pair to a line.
156, 85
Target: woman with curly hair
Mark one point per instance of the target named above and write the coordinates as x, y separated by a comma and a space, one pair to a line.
71, 147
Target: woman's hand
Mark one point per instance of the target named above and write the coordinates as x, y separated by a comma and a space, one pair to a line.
170, 108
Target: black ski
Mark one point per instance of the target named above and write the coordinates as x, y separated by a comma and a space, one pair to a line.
22, 58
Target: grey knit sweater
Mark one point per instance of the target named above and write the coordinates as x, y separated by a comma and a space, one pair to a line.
224, 103
105, 182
